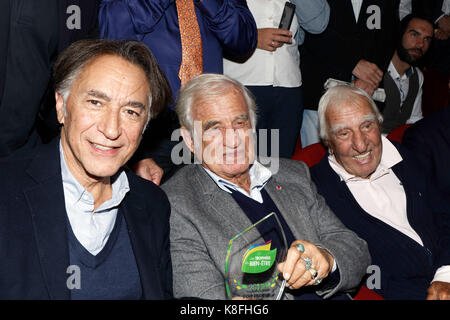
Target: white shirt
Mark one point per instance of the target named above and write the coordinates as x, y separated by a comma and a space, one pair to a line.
356, 8
405, 8
383, 196
280, 68
446, 7
259, 175
402, 83
91, 228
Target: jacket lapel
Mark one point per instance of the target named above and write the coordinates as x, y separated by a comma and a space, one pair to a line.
220, 203
140, 231
47, 207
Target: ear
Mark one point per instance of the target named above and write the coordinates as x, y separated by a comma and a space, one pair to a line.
187, 137
327, 144
59, 107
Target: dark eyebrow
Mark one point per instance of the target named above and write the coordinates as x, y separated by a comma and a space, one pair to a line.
135, 104
99, 94
104, 96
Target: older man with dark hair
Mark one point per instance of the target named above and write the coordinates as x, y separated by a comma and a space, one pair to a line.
230, 190
74, 223
379, 191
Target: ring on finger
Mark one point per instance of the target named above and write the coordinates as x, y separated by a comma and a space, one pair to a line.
315, 276
273, 43
308, 263
313, 272
317, 280
300, 248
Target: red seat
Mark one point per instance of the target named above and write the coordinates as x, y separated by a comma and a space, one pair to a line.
397, 133
311, 154
365, 293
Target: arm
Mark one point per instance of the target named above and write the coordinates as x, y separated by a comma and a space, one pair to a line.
232, 23
125, 19
344, 247
350, 252
312, 15
404, 8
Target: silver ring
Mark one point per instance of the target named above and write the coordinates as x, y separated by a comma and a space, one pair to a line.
308, 263
317, 280
300, 248
313, 273
273, 43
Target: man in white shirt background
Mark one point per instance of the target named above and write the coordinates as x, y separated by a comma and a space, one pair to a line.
272, 72
403, 82
377, 189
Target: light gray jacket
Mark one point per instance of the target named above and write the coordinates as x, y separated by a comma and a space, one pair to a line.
204, 218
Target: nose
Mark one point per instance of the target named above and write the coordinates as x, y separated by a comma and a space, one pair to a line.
420, 42
110, 125
231, 139
359, 142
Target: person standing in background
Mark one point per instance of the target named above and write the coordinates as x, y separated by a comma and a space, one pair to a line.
356, 46
272, 72
32, 34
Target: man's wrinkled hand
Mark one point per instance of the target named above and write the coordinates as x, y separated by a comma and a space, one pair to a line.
368, 72
444, 24
439, 290
366, 86
148, 169
294, 270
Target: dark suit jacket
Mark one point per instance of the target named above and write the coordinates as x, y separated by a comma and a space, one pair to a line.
406, 268
33, 230
336, 51
429, 140
33, 34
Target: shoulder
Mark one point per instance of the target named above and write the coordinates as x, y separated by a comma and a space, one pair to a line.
283, 167
187, 185
147, 192
321, 170
409, 161
180, 179
13, 172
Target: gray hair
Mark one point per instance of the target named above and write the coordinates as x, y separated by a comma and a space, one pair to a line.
208, 86
340, 94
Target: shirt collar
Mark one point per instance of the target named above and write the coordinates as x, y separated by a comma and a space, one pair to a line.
389, 158
395, 75
259, 176
119, 184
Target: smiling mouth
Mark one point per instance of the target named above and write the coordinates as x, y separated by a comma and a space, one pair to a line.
100, 147
363, 156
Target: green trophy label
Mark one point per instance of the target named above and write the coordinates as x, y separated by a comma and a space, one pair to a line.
259, 258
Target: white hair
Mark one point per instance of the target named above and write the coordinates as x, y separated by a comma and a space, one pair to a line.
209, 86
340, 94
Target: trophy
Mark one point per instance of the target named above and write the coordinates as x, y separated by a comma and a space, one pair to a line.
252, 258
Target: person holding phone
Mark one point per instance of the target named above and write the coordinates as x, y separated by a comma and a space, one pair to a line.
272, 70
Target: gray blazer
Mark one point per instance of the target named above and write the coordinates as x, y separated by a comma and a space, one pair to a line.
204, 218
